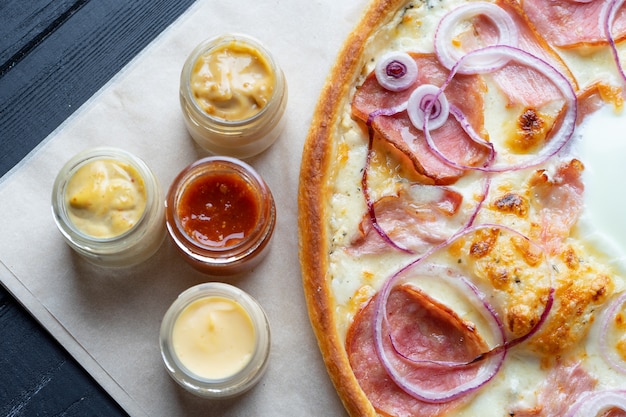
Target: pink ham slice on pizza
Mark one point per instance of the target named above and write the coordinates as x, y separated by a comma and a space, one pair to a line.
465, 92
423, 328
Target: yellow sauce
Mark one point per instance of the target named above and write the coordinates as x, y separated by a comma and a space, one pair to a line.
105, 198
214, 337
233, 81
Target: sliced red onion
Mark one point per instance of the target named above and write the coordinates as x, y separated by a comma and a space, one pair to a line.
597, 403
487, 369
558, 139
389, 111
365, 187
396, 71
448, 55
491, 361
608, 354
469, 129
427, 104
368, 200
606, 20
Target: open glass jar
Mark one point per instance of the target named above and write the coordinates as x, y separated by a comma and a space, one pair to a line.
220, 214
108, 205
215, 340
233, 96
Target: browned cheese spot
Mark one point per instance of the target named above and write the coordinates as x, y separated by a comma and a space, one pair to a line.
512, 203
531, 131
484, 242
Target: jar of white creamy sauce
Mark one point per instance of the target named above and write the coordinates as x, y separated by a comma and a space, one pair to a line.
233, 96
108, 206
215, 340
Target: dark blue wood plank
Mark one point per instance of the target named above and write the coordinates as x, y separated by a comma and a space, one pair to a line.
28, 24
73, 61
38, 377
54, 55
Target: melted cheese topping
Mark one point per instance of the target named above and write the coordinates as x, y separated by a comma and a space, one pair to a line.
105, 198
601, 142
592, 259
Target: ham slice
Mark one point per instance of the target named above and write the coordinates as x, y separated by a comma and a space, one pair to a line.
414, 219
465, 92
563, 386
420, 326
569, 23
559, 199
522, 85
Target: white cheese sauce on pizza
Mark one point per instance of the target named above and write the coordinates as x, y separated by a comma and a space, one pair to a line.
600, 144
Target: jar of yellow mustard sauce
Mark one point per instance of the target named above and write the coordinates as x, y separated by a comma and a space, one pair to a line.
233, 96
215, 340
108, 205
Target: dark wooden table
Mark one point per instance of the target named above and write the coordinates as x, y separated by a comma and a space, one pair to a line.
54, 55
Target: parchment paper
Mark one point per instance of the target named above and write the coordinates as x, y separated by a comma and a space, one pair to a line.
109, 320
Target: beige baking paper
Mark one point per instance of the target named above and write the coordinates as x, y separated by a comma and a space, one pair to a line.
109, 320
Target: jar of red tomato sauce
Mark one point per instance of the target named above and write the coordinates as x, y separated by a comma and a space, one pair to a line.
220, 215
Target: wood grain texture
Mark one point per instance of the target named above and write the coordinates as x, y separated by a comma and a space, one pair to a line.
38, 377
54, 55
78, 55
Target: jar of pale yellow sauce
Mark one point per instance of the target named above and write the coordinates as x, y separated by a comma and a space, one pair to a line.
108, 205
233, 96
215, 340
105, 198
214, 337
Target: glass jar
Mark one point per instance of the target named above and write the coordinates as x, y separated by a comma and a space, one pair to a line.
247, 114
220, 214
108, 205
224, 359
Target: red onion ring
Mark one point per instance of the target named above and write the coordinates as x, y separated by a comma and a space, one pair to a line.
606, 20
478, 301
396, 71
492, 359
469, 129
556, 142
508, 35
609, 356
486, 372
598, 402
365, 187
427, 102
368, 200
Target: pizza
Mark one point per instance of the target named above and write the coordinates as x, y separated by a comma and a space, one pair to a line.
448, 261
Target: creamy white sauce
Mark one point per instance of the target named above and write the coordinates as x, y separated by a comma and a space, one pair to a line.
601, 142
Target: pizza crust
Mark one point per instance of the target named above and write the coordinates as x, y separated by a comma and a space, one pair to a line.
317, 156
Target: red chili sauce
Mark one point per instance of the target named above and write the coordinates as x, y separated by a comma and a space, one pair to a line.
218, 209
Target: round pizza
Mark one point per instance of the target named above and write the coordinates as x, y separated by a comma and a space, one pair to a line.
449, 263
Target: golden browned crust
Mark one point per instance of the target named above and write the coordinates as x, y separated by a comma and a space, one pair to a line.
314, 171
